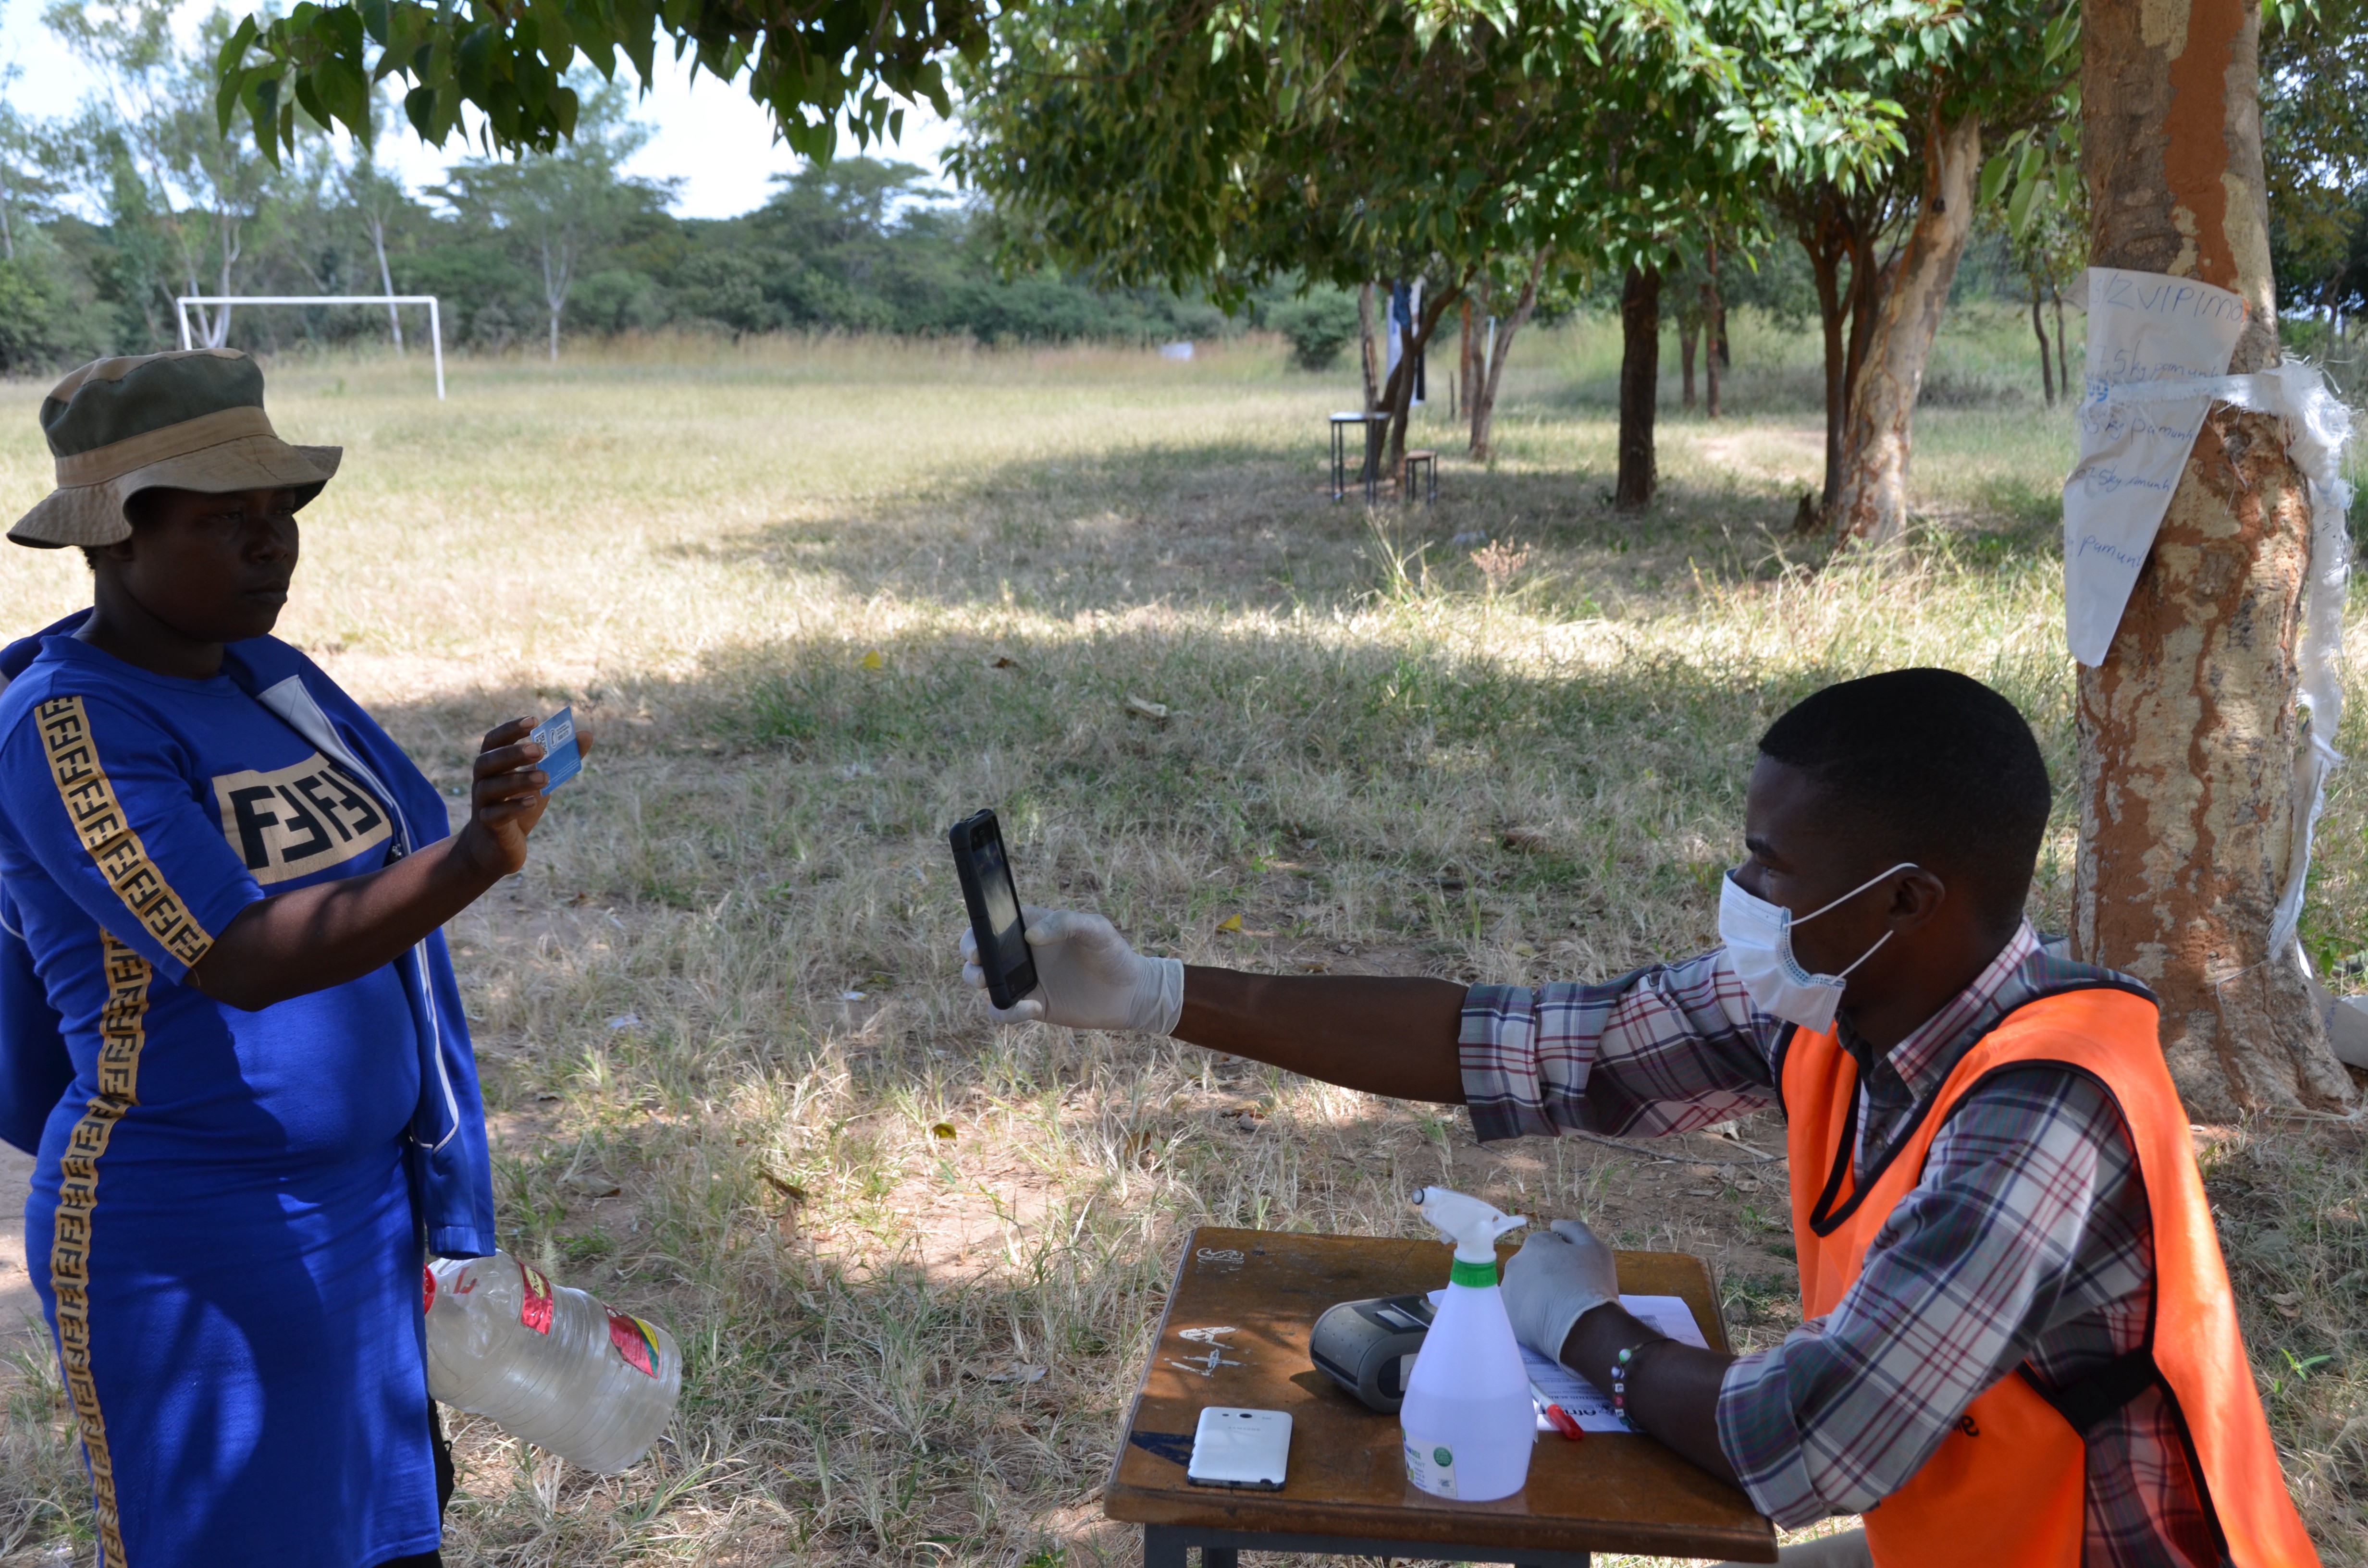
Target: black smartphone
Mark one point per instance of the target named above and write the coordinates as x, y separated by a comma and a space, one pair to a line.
1002, 935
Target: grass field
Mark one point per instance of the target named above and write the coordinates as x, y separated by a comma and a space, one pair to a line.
820, 600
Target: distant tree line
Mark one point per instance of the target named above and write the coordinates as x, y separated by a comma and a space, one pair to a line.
105, 218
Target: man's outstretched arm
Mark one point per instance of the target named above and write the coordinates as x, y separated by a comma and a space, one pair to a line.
1661, 1050
1382, 1035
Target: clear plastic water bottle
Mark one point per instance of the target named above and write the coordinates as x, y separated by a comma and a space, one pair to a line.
548, 1364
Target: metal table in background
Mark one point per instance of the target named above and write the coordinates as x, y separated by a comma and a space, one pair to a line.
1235, 1334
1374, 425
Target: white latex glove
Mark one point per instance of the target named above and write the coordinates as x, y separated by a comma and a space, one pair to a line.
1557, 1277
1087, 977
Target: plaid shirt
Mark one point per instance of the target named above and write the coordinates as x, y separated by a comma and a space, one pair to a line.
2027, 1240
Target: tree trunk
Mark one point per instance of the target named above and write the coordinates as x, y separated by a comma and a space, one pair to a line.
228, 232
2189, 729
1368, 355
1872, 506
1398, 393
2063, 365
1868, 280
1714, 314
386, 281
1476, 330
1689, 329
1825, 267
1459, 386
556, 275
1501, 347
1640, 386
2039, 331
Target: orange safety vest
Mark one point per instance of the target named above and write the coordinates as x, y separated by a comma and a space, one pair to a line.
2007, 1487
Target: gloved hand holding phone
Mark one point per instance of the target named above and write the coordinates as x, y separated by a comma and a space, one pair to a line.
1087, 977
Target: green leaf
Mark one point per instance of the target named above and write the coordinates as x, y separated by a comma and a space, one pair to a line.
419, 108
473, 62
1994, 177
309, 99
226, 100
2019, 208
232, 52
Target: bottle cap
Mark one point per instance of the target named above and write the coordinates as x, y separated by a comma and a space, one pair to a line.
1472, 1226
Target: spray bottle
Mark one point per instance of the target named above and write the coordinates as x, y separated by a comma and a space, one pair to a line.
1467, 1419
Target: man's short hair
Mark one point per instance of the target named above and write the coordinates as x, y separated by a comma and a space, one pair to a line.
1933, 767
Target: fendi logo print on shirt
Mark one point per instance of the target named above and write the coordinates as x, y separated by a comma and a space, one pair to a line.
298, 820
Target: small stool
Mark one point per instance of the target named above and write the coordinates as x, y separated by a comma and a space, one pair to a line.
1427, 461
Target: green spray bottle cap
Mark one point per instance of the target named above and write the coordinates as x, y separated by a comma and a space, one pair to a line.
1472, 1226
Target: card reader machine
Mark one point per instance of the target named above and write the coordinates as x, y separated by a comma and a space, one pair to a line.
1368, 1347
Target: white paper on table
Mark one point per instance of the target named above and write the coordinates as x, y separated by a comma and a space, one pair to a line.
1588, 1405
2144, 328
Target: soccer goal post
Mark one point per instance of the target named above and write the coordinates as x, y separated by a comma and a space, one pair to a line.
182, 302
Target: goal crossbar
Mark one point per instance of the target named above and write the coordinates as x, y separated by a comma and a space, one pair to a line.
181, 304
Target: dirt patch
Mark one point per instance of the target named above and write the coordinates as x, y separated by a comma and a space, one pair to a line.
1787, 453
959, 1223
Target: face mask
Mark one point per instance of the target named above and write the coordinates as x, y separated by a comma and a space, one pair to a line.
1759, 937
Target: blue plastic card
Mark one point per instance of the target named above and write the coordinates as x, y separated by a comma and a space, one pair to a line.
556, 736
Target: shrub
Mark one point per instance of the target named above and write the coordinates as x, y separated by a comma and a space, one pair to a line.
1319, 323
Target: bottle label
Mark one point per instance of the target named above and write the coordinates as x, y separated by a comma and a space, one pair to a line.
636, 1342
534, 1308
1431, 1467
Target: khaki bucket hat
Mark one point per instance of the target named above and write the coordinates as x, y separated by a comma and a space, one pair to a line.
188, 420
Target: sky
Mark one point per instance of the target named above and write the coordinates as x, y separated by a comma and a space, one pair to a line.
713, 137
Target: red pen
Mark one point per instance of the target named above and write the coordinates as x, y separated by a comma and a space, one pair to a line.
1558, 1418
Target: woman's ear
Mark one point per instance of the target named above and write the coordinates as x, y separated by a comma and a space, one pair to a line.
120, 552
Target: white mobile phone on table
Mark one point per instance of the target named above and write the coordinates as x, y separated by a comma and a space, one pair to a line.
1240, 1448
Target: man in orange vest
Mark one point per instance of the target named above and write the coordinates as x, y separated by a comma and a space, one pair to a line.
2019, 1346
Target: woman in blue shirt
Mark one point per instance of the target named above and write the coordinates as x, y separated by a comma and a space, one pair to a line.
229, 884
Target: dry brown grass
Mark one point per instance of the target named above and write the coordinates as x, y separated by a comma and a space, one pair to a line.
1373, 757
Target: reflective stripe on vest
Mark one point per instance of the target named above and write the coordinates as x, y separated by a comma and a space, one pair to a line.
2007, 1487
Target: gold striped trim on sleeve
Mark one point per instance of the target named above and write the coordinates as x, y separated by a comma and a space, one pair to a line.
123, 1033
106, 833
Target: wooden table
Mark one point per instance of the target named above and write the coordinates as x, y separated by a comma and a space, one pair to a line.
1347, 1491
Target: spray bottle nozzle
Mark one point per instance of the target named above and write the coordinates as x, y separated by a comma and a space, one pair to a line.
1472, 1226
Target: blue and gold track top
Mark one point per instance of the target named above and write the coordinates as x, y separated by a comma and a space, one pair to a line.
229, 1207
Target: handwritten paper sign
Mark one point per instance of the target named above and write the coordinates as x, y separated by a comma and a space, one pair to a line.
2146, 332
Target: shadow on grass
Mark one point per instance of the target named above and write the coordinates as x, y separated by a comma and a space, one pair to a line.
1603, 778
1234, 524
